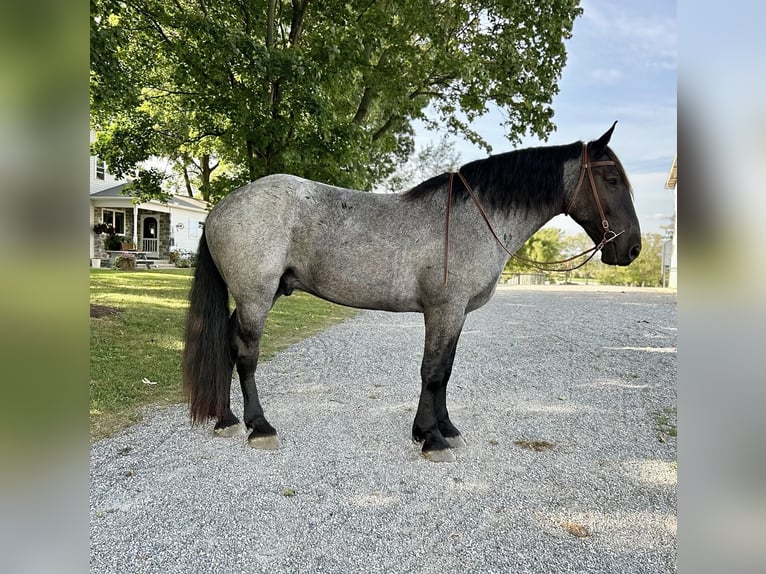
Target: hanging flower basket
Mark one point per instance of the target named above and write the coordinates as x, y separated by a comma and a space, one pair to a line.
104, 228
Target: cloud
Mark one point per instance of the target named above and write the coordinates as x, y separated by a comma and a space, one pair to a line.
606, 75
651, 39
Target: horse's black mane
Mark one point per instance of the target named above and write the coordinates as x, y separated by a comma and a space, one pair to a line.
530, 178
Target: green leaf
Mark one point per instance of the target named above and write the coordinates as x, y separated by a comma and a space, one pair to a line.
329, 94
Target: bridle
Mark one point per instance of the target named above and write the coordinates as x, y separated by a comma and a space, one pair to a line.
586, 167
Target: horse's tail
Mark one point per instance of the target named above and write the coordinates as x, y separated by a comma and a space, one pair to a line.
207, 356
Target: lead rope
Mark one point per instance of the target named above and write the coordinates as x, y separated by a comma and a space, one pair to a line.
609, 235
446, 227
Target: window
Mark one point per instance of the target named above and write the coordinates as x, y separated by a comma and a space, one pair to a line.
116, 219
195, 228
100, 169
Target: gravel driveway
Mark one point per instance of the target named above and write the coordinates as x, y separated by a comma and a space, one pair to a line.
565, 395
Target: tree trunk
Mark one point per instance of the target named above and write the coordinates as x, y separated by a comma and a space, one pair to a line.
187, 182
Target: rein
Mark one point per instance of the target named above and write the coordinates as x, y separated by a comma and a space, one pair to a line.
585, 167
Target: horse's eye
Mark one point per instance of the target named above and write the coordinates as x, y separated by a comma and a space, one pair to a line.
611, 180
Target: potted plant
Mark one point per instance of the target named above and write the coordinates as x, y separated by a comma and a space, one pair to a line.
112, 241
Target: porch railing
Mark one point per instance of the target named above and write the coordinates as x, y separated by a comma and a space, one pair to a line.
150, 245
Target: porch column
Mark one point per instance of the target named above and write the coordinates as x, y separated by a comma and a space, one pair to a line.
135, 227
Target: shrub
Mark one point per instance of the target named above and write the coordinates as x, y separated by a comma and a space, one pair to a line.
114, 242
125, 263
183, 258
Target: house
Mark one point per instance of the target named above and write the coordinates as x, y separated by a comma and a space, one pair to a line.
154, 227
672, 183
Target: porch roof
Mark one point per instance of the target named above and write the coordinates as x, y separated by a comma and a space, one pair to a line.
113, 195
672, 180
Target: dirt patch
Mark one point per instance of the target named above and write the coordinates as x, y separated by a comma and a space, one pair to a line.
575, 529
536, 445
97, 311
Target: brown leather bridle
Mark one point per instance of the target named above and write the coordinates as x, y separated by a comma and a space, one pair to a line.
585, 167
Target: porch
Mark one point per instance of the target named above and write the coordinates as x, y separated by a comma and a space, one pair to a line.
147, 230
152, 227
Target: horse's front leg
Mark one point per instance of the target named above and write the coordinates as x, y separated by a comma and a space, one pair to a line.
449, 431
432, 426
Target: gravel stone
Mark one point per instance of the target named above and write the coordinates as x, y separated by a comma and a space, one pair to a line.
586, 369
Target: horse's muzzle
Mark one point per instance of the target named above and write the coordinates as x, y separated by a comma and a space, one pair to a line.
615, 254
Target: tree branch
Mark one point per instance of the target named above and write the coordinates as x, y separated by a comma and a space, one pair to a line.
166, 92
364, 106
270, 12
384, 128
296, 25
429, 93
152, 19
187, 182
246, 18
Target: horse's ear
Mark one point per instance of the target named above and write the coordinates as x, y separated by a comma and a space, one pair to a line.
603, 141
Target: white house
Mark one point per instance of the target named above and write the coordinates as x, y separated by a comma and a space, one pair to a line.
672, 183
153, 227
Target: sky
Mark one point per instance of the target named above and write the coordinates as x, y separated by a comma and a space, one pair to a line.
621, 65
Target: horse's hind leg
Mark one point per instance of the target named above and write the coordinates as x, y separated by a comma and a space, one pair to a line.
247, 339
432, 420
228, 425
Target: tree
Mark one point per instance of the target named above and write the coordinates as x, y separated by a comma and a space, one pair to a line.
575, 245
551, 244
429, 161
645, 271
325, 89
544, 246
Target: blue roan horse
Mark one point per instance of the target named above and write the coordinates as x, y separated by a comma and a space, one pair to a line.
376, 251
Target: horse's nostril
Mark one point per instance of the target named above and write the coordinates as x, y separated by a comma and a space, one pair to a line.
634, 251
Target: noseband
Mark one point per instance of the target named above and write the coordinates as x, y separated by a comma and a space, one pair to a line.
585, 167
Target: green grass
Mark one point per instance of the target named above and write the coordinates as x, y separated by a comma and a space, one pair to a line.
665, 421
145, 339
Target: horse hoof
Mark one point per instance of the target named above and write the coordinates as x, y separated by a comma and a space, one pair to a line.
455, 441
444, 455
234, 430
268, 442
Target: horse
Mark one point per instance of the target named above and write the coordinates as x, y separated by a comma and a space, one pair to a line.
437, 249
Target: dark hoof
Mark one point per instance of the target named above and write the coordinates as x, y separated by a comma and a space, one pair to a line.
444, 455
233, 430
267, 442
455, 441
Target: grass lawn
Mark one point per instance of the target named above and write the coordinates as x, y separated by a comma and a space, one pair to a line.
138, 332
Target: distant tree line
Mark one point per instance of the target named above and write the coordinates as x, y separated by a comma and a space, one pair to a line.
551, 244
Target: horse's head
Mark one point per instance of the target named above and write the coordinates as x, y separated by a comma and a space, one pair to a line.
600, 199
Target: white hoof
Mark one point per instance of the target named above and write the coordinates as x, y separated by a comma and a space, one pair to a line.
455, 441
234, 430
445, 455
265, 442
